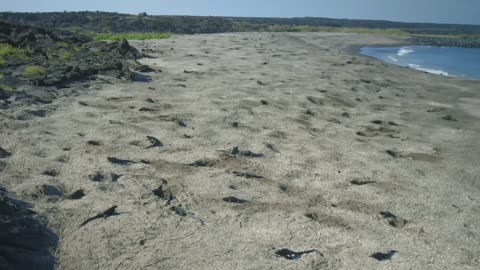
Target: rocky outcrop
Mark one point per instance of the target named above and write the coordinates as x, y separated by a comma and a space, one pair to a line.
56, 58
465, 42
25, 242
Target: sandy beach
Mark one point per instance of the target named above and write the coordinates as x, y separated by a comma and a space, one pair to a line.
244, 144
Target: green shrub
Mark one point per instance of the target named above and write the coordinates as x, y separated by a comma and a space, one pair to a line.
65, 56
133, 36
35, 71
3, 62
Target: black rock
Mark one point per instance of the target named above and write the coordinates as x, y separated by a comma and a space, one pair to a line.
449, 118
3, 165
149, 100
145, 69
4, 153
77, 195
49, 190
97, 177
394, 153
25, 241
5, 94
65, 57
51, 172
115, 177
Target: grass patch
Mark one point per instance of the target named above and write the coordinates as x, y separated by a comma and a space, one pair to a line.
8, 88
133, 36
35, 71
9, 50
65, 56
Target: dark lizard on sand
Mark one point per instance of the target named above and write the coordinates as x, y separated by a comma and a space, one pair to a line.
154, 141
105, 214
380, 256
293, 255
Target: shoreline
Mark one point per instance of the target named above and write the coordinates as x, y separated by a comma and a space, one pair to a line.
417, 67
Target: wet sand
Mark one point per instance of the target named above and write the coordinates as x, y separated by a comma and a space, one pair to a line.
256, 142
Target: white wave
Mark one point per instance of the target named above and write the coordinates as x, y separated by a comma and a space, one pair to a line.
393, 59
404, 51
429, 70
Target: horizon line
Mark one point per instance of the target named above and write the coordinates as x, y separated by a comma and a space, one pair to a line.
226, 16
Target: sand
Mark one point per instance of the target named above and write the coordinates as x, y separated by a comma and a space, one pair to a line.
305, 102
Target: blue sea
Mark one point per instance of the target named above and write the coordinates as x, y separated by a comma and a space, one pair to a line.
448, 61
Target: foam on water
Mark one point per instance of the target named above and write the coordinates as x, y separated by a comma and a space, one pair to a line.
445, 61
429, 70
393, 59
404, 51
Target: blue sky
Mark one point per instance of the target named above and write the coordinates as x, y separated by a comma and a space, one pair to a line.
440, 11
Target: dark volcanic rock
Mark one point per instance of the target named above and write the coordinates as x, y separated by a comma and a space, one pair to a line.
4, 153
47, 58
439, 41
3, 165
25, 242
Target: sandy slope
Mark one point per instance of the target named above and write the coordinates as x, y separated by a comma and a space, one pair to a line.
315, 131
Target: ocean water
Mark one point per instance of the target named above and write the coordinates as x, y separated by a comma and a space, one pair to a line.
448, 61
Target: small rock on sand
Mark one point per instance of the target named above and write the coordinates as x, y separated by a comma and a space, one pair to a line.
4, 153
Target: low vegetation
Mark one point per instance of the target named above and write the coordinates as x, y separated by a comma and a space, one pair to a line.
35, 71
9, 50
306, 28
65, 56
49, 57
133, 36
108, 22
7, 88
